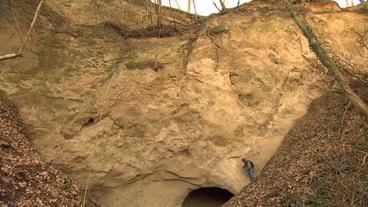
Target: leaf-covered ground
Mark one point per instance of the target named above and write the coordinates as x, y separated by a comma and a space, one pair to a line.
25, 180
322, 162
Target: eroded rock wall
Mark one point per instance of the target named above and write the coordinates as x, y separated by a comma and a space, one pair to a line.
144, 121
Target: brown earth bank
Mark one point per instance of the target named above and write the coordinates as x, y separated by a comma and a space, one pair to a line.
322, 161
25, 180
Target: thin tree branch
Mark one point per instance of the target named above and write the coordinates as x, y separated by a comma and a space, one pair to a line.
365, 157
28, 37
9, 56
177, 4
195, 11
362, 37
222, 2
217, 7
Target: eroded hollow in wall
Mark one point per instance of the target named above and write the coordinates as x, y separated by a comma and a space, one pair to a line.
207, 197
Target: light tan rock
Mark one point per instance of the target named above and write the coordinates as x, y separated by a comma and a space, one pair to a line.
143, 137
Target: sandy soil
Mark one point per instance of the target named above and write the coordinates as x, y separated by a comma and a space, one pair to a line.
100, 108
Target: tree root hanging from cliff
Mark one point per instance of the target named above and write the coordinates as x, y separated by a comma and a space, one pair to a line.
28, 37
326, 60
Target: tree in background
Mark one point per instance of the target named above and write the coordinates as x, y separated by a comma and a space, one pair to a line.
159, 13
177, 4
189, 6
222, 4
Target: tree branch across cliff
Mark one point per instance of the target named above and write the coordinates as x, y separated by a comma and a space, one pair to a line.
322, 55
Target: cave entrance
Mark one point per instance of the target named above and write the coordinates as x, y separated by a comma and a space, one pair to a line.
207, 197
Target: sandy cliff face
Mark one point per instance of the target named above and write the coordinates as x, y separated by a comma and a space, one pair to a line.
144, 121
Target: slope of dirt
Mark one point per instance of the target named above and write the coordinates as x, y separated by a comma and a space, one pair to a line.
25, 180
322, 161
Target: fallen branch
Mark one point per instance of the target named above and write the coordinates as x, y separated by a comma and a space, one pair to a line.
28, 37
8, 56
349, 69
326, 61
365, 157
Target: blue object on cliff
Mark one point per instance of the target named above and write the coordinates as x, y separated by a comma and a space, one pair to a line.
249, 167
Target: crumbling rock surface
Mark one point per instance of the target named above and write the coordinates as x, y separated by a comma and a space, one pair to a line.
144, 121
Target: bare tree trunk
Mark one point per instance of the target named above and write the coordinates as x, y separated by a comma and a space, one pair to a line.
195, 10
223, 6
326, 61
158, 7
189, 6
177, 4
150, 12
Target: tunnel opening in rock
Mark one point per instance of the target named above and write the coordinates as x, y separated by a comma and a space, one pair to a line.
207, 197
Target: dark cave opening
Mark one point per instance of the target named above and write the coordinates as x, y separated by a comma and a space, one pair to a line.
207, 197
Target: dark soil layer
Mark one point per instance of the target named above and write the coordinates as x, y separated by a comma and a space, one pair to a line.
323, 161
24, 179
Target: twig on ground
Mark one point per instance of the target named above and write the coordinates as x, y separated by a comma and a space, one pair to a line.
343, 117
34, 195
9, 56
86, 189
364, 158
